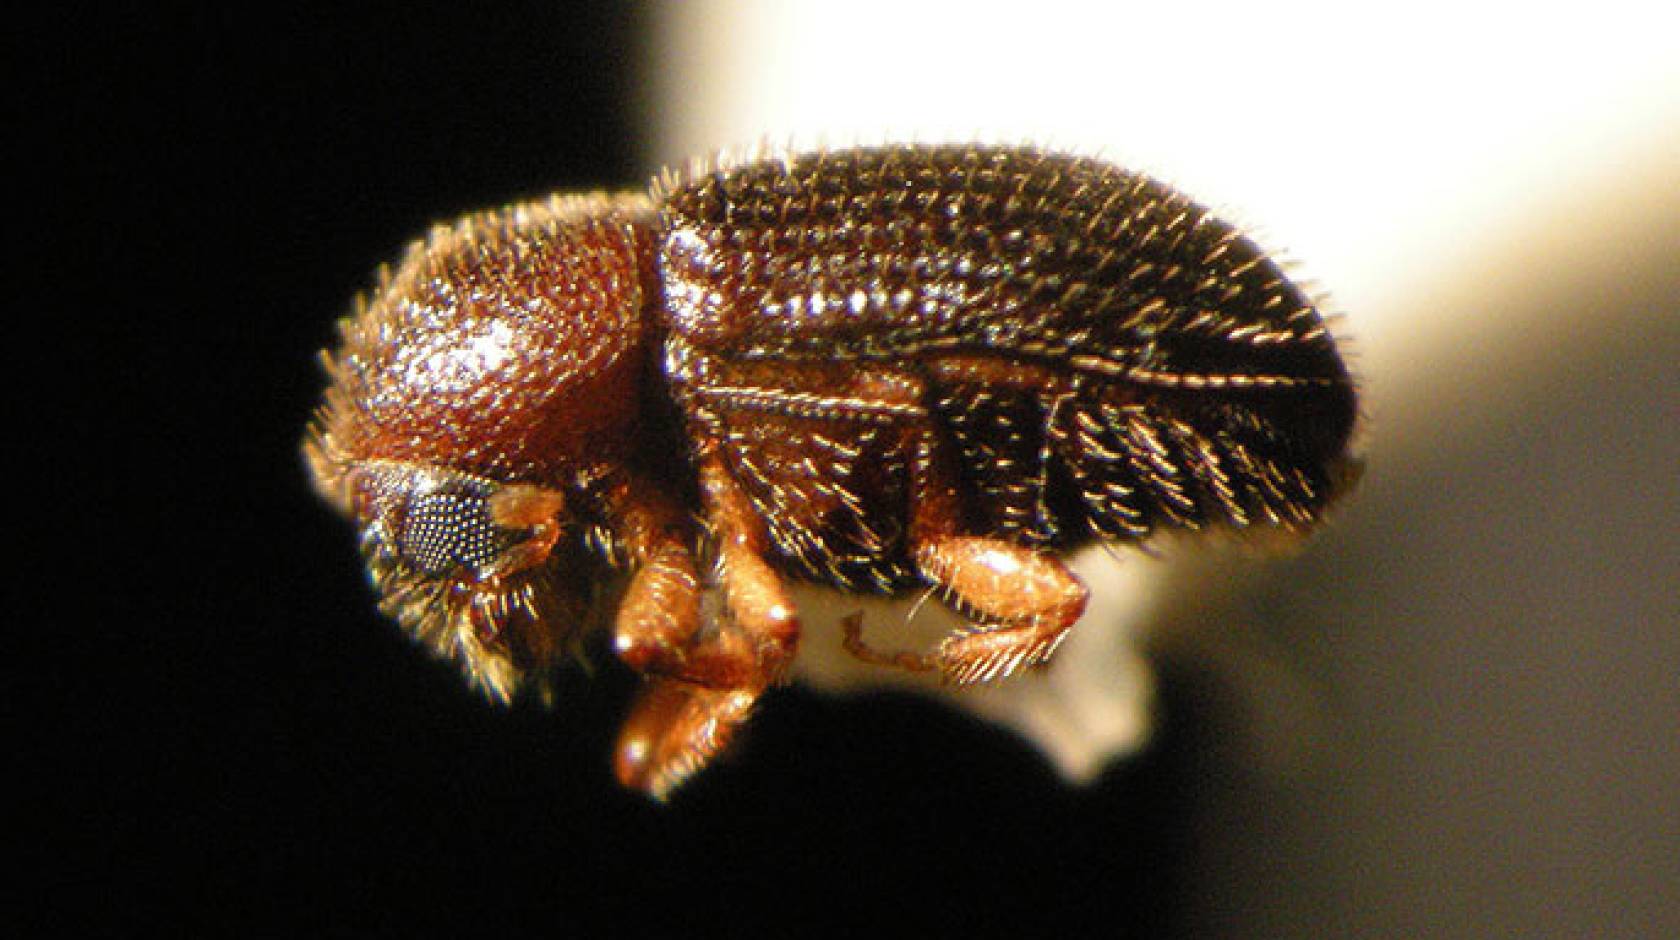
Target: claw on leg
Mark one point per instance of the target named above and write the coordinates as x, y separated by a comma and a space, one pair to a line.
851, 640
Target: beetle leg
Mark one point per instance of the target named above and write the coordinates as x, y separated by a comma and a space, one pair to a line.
1023, 601
1026, 602
705, 677
658, 629
659, 614
674, 729
757, 602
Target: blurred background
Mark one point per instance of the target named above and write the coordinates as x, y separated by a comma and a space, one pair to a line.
1451, 714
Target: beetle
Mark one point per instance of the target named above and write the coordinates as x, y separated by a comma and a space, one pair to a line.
881, 369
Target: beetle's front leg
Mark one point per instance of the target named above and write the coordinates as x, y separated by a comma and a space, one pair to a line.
704, 677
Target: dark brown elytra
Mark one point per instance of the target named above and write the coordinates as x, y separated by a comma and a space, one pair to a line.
878, 369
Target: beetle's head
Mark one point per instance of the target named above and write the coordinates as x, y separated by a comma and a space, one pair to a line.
495, 369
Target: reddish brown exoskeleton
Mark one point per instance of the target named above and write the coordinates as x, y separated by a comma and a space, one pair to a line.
875, 368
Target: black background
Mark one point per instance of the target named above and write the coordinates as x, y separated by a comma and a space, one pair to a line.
233, 736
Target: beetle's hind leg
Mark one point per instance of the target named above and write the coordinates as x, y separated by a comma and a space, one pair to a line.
1021, 601
703, 676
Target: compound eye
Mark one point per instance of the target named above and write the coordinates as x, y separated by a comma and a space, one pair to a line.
435, 522
446, 531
